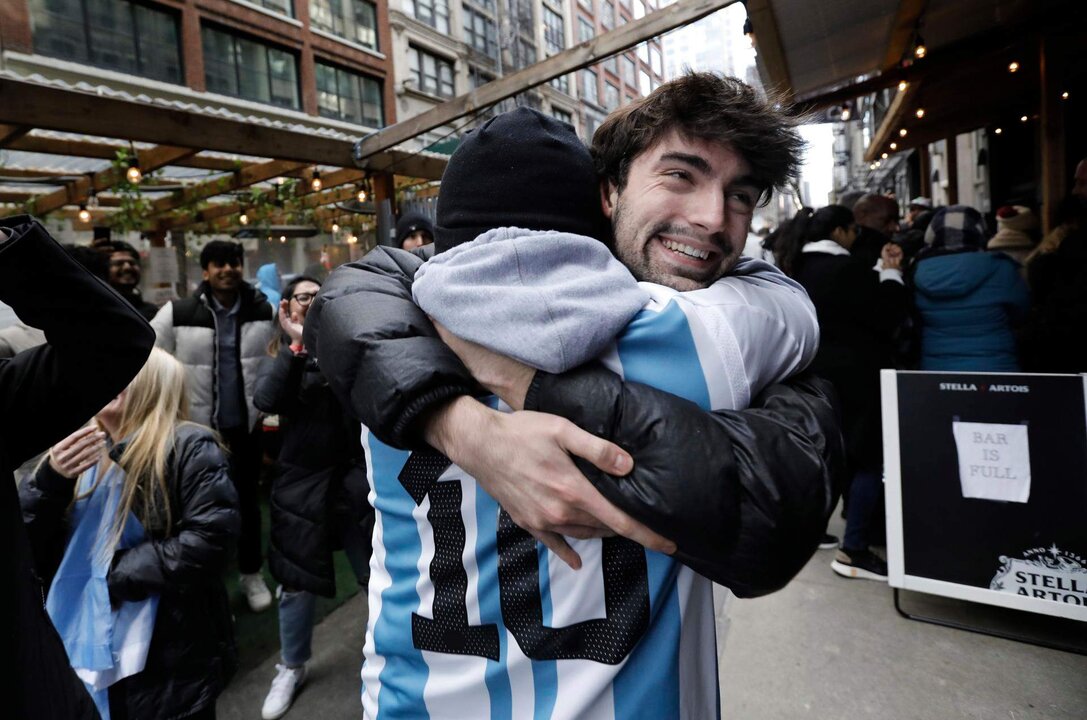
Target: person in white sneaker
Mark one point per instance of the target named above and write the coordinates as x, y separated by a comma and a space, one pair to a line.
318, 497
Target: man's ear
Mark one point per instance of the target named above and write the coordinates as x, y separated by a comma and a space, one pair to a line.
609, 196
205, 274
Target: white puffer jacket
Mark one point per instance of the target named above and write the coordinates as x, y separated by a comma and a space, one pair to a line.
187, 329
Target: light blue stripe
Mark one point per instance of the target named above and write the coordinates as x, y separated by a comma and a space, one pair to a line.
658, 349
405, 673
545, 673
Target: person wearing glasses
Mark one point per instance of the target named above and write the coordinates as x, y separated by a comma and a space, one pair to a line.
318, 501
125, 271
221, 334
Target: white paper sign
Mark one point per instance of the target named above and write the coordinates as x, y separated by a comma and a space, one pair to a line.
994, 461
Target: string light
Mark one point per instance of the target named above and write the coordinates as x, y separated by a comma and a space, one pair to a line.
1064, 95
998, 131
894, 146
920, 51
243, 218
903, 132
1013, 67
846, 113
361, 194
1024, 119
902, 85
315, 183
84, 213
353, 239
335, 227
884, 156
920, 113
283, 238
134, 174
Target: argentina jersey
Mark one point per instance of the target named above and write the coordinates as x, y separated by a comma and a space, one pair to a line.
470, 617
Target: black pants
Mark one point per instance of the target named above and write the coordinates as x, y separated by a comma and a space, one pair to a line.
244, 451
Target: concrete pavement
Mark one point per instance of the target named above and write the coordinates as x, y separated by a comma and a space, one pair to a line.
824, 647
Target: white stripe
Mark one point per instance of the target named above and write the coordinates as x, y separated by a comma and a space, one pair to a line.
718, 354
519, 671
423, 585
456, 686
585, 690
379, 582
697, 651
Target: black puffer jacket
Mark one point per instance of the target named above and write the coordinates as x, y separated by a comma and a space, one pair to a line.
96, 345
745, 494
322, 472
192, 654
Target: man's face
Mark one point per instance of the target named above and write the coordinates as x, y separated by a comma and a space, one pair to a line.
225, 277
124, 270
1079, 182
417, 239
683, 217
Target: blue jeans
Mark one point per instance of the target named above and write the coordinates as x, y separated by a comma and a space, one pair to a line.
296, 607
865, 495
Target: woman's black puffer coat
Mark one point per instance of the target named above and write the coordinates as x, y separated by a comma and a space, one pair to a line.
322, 473
192, 654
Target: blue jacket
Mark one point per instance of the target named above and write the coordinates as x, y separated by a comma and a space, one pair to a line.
968, 302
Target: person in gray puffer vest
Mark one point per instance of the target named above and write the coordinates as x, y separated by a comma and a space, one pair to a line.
221, 334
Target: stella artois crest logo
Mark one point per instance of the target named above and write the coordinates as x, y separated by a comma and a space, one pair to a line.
1045, 573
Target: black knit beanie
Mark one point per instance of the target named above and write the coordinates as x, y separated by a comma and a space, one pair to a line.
412, 222
520, 169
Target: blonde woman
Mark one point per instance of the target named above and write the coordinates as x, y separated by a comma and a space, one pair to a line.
131, 520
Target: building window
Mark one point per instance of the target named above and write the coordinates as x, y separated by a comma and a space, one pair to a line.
554, 32
248, 69
283, 7
630, 71
434, 13
587, 4
432, 74
584, 30
611, 96
117, 35
479, 32
561, 83
526, 53
478, 78
562, 116
612, 64
354, 20
645, 85
588, 87
607, 15
655, 60
639, 9
344, 95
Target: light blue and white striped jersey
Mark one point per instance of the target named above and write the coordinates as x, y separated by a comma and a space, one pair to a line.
471, 618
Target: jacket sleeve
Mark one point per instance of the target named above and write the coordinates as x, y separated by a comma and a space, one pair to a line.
97, 342
279, 381
379, 352
44, 497
163, 325
205, 522
744, 494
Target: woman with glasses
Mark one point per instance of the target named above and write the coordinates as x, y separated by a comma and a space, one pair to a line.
318, 501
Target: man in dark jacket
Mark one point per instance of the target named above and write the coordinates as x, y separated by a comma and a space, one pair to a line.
45, 392
125, 271
680, 210
877, 221
221, 334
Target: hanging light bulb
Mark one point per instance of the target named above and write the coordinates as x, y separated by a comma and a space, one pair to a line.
84, 213
998, 131
903, 132
1013, 67
335, 227
315, 183
902, 85
283, 238
920, 50
884, 156
361, 194
134, 174
920, 113
894, 146
243, 218
1064, 95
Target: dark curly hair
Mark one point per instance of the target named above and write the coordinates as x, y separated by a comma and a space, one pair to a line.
703, 106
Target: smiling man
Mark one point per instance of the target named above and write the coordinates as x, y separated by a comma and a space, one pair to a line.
221, 334
739, 496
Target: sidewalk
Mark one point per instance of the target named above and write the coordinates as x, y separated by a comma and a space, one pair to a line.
824, 647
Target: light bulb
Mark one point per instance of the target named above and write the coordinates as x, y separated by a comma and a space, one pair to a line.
884, 156
894, 146
998, 131
134, 174
243, 219
902, 86
903, 132
920, 113
1013, 66
283, 238
361, 195
335, 227
315, 183
920, 51
1024, 119
84, 214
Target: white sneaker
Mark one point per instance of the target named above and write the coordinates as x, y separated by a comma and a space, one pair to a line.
256, 592
285, 685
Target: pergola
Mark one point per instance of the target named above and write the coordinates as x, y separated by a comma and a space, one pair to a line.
204, 168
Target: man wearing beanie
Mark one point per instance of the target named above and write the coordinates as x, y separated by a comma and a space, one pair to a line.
414, 230
739, 506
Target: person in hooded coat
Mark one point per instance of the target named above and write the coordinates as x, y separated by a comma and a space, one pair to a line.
968, 300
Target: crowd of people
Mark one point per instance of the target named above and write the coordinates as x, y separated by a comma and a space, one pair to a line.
539, 427
937, 290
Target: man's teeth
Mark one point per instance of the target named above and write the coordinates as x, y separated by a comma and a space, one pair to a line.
686, 249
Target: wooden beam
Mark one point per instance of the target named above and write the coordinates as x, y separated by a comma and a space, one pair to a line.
770, 49
108, 151
581, 55
229, 209
243, 178
888, 129
151, 159
902, 28
10, 133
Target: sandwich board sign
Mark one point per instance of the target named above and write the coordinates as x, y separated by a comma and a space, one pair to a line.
986, 486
